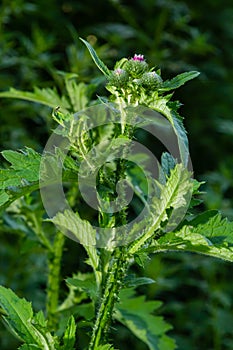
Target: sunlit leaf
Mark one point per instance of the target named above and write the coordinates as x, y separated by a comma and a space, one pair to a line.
178, 81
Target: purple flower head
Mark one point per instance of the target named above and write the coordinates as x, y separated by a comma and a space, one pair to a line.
139, 58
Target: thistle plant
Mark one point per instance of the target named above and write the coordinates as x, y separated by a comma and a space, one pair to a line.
138, 206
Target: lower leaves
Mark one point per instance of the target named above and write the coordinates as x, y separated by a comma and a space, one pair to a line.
28, 327
136, 314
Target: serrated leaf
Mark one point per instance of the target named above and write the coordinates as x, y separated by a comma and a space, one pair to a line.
196, 201
72, 224
19, 314
160, 104
178, 81
25, 162
87, 285
168, 163
137, 314
196, 186
217, 229
20, 320
203, 217
48, 97
213, 238
77, 94
169, 207
40, 320
21, 178
83, 232
69, 335
15, 192
175, 195
104, 69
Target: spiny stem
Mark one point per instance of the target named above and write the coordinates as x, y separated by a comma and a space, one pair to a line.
54, 266
119, 262
115, 277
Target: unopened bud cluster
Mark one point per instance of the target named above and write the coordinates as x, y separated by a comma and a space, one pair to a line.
136, 66
135, 71
119, 78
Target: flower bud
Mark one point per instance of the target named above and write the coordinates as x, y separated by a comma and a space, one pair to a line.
119, 78
151, 79
136, 66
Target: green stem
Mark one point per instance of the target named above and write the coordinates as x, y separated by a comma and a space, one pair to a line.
118, 264
54, 266
116, 273
37, 226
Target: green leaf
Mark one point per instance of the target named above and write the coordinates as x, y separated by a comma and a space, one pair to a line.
87, 285
104, 69
86, 311
178, 81
78, 94
83, 232
203, 217
3, 197
141, 258
160, 104
168, 163
137, 314
217, 229
25, 162
134, 281
15, 192
69, 335
48, 97
105, 347
21, 178
19, 314
196, 192
78, 228
20, 320
213, 238
169, 207
121, 63
174, 195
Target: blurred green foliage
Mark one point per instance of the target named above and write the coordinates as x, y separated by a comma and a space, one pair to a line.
40, 38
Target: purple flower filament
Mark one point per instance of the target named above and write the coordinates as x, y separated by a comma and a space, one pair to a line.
138, 58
